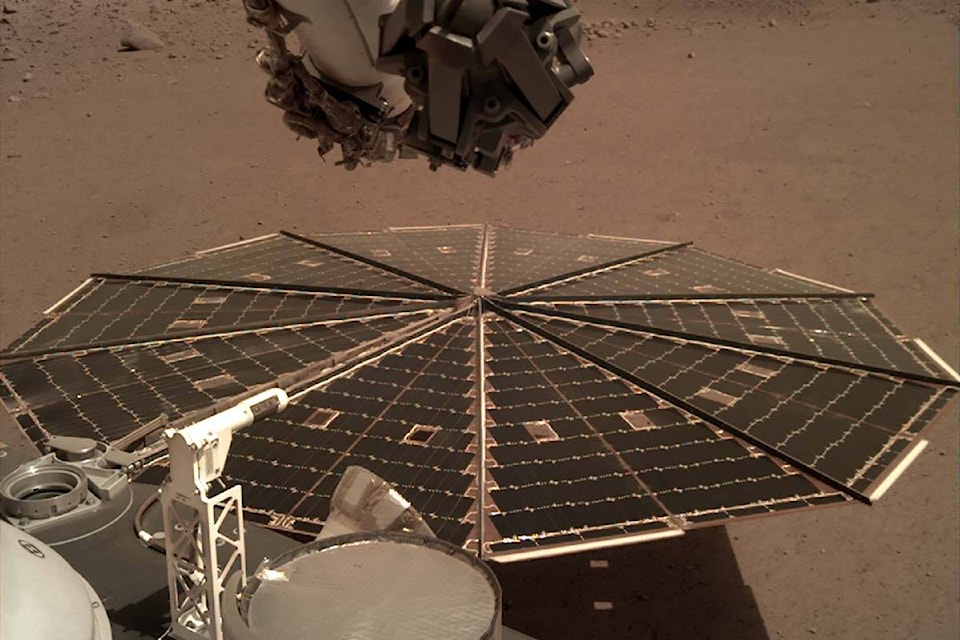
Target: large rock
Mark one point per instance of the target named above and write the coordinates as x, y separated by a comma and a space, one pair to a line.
137, 37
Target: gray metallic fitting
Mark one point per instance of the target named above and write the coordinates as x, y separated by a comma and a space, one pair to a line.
486, 77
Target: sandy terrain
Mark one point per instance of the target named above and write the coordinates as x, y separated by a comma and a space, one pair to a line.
813, 136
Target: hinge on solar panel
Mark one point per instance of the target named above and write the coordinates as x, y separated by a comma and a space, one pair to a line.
141, 435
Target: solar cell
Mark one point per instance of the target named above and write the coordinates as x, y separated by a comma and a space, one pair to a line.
288, 261
449, 256
847, 331
682, 272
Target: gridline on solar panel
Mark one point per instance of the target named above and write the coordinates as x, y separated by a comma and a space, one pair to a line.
848, 330
107, 393
616, 457
407, 416
517, 258
834, 421
677, 273
279, 260
447, 255
114, 311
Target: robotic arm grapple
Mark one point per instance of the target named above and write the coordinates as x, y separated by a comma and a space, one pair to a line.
464, 82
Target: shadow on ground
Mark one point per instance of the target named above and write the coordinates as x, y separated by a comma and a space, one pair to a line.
682, 588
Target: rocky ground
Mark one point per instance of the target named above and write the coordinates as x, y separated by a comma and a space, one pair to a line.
819, 136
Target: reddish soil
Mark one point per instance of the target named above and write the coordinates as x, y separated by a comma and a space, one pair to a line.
818, 137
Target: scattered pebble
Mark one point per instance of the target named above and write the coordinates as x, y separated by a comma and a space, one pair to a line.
691, 55
137, 37
27, 77
772, 22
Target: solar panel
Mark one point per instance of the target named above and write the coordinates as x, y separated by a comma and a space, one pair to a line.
448, 256
613, 391
683, 272
519, 259
289, 261
107, 311
847, 331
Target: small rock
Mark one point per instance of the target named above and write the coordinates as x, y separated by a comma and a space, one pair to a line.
7, 9
691, 55
772, 22
603, 33
8, 56
812, 631
651, 23
15, 99
171, 55
137, 37
219, 56
27, 77
42, 95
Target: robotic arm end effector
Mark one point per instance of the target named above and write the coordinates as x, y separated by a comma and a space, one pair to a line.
480, 78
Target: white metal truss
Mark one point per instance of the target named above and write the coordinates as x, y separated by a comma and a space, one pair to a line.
203, 547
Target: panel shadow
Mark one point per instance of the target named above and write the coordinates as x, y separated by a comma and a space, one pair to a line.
682, 588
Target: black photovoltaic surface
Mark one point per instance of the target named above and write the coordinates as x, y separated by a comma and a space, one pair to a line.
612, 391
848, 330
834, 421
518, 258
107, 311
290, 464
619, 461
680, 273
107, 393
449, 256
280, 260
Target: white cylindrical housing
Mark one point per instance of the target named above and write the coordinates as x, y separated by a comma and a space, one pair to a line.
342, 40
237, 417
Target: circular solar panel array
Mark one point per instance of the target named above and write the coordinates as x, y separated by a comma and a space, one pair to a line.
530, 393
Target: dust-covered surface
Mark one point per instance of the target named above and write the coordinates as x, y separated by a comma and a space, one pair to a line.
820, 137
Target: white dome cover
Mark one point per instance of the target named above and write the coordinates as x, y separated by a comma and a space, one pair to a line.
41, 596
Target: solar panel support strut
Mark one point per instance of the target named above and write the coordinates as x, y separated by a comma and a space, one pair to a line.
203, 535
